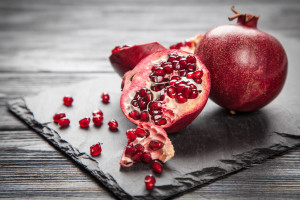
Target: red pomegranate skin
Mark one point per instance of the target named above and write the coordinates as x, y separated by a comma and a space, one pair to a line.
248, 67
128, 57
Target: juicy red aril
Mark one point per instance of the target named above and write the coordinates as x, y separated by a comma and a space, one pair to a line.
193, 94
130, 151
135, 114
137, 157
97, 120
146, 157
177, 78
176, 65
186, 91
134, 103
95, 149
182, 63
155, 112
155, 105
192, 86
191, 59
85, 122
116, 49
113, 124
171, 92
190, 75
198, 74
156, 145
157, 79
142, 104
58, 116
155, 87
157, 166
190, 67
143, 92
131, 135
98, 112
172, 58
144, 116
68, 100
168, 68
159, 72
139, 148
180, 98
140, 132
105, 97
149, 96
64, 122
182, 72
161, 121
198, 80
149, 182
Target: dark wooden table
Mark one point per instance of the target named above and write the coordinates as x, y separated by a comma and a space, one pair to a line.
46, 43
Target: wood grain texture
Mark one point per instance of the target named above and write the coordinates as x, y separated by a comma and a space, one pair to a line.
47, 43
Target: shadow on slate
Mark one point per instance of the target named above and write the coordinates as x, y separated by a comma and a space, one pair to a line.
216, 144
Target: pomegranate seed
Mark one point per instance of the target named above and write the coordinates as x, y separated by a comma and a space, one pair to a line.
190, 75
58, 116
168, 68
149, 96
64, 122
155, 117
135, 115
155, 112
116, 49
198, 80
157, 79
105, 97
180, 98
84, 123
97, 120
176, 65
157, 166
182, 63
182, 72
189, 44
131, 135
137, 157
143, 92
144, 116
134, 103
191, 59
155, 67
161, 96
155, 88
146, 157
156, 145
140, 132
150, 182
161, 121
95, 149
191, 67
186, 91
68, 100
159, 72
172, 58
180, 82
155, 105
180, 88
98, 112
142, 104
171, 92
113, 124
139, 148
192, 86
172, 82
198, 74
130, 151
177, 78
193, 94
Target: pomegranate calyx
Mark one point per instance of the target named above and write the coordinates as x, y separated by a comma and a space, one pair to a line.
244, 19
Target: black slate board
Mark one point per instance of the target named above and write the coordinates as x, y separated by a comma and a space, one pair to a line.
216, 144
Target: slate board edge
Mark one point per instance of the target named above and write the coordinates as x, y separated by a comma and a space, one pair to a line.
18, 107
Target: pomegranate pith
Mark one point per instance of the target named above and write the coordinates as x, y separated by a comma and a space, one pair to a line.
165, 90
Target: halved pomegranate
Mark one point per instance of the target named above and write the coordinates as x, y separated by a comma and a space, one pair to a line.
168, 88
127, 57
151, 143
189, 45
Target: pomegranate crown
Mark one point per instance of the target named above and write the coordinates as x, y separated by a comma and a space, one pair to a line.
244, 19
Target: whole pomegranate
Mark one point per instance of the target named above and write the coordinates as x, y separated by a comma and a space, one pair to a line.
248, 67
125, 58
169, 88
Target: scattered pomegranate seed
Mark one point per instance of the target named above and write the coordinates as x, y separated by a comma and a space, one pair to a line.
64, 122
97, 120
157, 166
146, 157
95, 149
58, 116
150, 182
156, 145
84, 123
113, 124
131, 135
98, 112
68, 100
105, 97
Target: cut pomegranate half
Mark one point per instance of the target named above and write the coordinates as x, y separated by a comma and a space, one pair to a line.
140, 150
126, 58
189, 45
162, 89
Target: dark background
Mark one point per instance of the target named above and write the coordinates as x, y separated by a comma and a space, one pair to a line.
45, 43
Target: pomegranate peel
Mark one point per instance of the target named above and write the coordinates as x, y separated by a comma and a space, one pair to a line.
178, 102
126, 58
155, 133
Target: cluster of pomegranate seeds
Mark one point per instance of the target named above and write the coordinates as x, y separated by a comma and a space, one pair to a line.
105, 97
85, 122
157, 166
150, 182
176, 77
182, 44
95, 149
118, 48
68, 100
113, 124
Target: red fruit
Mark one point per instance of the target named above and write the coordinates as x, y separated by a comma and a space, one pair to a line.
58, 116
85, 122
126, 58
97, 120
95, 149
140, 148
150, 182
64, 122
131, 135
189, 45
68, 100
98, 112
248, 66
157, 166
113, 124
170, 104
105, 97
